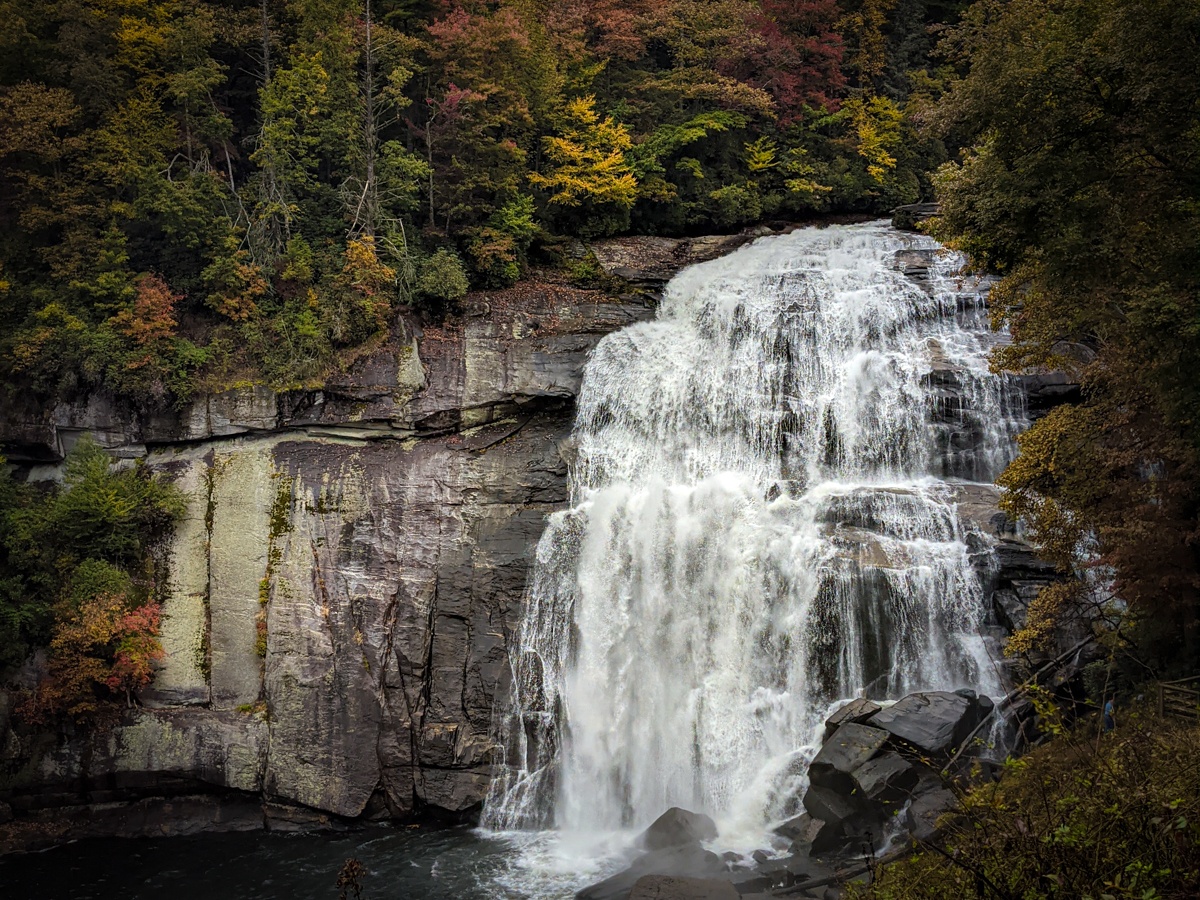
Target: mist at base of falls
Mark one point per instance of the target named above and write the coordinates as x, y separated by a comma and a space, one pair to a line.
763, 523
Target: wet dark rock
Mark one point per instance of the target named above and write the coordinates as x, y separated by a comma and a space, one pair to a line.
847, 749
286, 818
800, 830
830, 805
888, 778
933, 722
151, 817
915, 264
677, 827
925, 810
833, 839
1047, 390
669, 887
1018, 561
689, 860
783, 872
1009, 610
864, 775
857, 711
907, 217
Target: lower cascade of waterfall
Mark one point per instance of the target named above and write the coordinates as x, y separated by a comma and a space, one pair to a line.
762, 524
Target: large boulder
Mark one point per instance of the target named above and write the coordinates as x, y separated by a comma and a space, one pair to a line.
800, 830
830, 805
675, 887
888, 778
925, 810
689, 860
849, 747
677, 827
812, 835
848, 822
933, 723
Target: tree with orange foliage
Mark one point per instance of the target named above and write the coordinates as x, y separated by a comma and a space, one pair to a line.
104, 646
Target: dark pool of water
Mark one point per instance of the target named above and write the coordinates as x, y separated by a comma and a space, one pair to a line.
415, 864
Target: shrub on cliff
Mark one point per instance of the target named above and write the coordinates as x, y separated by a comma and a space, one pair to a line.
1109, 818
78, 577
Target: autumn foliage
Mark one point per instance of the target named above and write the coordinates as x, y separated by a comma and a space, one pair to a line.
103, 648
79, 577
1082, 191
195, 194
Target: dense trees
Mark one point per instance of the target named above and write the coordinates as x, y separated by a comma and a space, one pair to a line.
198, 193
1082, 190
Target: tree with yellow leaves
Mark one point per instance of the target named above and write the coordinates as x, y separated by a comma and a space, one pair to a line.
589, 171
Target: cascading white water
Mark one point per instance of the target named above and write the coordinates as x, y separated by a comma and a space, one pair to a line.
762, 522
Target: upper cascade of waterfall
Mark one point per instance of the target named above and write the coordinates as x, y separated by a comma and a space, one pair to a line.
762, 523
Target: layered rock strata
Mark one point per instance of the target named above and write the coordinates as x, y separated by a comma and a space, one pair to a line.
347, 573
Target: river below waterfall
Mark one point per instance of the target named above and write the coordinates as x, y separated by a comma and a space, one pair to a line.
763, 523
402, 864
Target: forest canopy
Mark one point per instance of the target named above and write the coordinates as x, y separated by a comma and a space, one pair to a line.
195, 194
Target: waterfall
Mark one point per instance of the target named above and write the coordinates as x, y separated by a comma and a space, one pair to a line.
762, 522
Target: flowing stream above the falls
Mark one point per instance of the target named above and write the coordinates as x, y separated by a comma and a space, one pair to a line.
763, 522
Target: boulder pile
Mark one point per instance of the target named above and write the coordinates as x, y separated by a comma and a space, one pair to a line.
876, 777
877, 763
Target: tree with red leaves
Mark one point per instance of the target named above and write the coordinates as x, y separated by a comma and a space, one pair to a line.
792, 50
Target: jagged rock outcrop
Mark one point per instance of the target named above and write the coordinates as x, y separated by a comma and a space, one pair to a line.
648, 262
909, 217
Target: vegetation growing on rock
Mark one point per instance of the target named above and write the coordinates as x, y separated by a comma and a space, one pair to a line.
1101, 816
77, 575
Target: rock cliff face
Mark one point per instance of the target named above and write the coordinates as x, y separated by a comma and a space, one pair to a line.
349, 567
